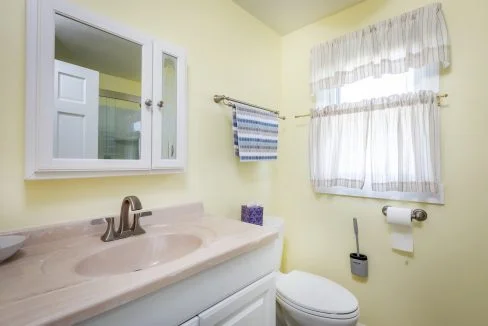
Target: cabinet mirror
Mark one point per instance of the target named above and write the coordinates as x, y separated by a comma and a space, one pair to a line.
97, 86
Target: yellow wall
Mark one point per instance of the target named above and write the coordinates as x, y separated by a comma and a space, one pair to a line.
119, 84
229, 52
445, 283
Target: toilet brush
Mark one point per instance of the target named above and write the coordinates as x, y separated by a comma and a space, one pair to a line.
359, 262
356, 233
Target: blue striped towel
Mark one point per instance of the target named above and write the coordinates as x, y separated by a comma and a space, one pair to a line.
255, 133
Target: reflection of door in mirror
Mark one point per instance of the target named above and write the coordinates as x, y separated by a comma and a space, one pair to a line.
169, 113
76, 111
98, 90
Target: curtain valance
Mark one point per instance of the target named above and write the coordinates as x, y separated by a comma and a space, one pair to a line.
412, 40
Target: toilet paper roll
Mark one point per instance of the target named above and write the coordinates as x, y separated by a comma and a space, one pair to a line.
400, 220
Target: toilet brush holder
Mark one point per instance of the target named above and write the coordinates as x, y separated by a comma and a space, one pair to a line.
359, 264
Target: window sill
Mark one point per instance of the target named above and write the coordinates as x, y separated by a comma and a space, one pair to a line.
437, 199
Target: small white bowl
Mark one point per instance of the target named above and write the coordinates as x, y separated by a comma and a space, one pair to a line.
9, 245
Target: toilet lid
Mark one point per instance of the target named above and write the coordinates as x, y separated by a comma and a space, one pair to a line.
316, 293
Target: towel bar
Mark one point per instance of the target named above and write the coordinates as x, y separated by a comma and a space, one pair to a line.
223, 98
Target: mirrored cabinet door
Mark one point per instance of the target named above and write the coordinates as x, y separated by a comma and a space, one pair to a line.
97, 93
169, 115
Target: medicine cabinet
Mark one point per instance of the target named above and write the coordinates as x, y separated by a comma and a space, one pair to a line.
102, 99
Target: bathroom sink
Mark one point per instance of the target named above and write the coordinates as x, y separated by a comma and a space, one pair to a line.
136, 254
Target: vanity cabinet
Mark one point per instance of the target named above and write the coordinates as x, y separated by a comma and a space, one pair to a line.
237, 292
102, 99
254, 305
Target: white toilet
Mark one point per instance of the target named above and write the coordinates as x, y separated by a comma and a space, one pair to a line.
305, 299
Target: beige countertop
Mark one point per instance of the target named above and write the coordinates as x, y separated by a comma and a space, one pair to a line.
40, 285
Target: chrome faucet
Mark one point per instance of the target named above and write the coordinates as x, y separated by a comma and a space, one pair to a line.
125, 229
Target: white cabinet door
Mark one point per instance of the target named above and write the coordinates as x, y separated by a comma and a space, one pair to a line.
192, 322
169, 113
252, 306
76, 116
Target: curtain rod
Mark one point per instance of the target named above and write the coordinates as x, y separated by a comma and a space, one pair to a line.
223, 98
439, 103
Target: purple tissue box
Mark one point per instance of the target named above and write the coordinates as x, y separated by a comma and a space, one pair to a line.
252, 214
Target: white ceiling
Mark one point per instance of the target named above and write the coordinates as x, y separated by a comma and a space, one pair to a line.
98, 50
285, 16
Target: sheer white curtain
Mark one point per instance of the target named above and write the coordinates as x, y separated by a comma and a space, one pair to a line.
377, 122
378, 134
338, 142
412, 40
376, 126
405, 143
392, 140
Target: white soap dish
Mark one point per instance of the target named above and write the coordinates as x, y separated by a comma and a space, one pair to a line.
9, 245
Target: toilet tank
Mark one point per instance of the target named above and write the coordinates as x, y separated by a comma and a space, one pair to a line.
277, 224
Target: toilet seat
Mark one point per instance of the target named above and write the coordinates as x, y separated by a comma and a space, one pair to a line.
317, 296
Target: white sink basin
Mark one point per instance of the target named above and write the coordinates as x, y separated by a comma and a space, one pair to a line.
9, 245
138, 254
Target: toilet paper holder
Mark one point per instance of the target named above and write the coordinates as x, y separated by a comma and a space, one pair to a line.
417, 214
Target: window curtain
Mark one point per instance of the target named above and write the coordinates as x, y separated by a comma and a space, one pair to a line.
402, 134
405, 143
338, 142
394, 138
412, 40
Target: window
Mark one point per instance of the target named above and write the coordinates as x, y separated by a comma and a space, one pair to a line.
375, 131
426, 78
357, 137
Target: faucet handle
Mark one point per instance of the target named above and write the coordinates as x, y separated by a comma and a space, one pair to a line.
146, 213
136, 225
109, 234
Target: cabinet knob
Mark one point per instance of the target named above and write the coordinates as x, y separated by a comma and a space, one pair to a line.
148, 103
160, 104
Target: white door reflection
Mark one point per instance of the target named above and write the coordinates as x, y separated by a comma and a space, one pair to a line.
98, 89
